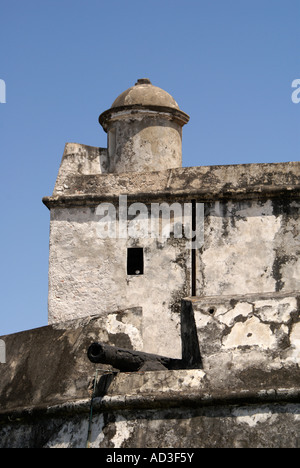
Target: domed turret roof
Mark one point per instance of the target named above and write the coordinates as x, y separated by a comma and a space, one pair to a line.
145, 94
143, 97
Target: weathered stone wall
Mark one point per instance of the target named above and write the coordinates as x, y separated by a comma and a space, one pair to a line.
251, 246
256, 426
49, 365
88, 275
80, 160
241, 334
246, 394
211, 183
246, 337
181, 409
251, 240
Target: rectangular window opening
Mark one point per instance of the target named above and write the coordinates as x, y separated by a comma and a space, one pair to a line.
135, 261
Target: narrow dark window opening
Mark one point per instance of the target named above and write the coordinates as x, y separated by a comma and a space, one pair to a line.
135, 261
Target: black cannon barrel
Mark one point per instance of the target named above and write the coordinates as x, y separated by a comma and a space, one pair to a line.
127, 360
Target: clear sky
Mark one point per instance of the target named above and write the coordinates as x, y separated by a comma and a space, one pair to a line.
228, 63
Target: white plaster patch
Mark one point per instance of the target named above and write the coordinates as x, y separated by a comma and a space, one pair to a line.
276, 310
172, 380
70, 435
201, 319
250, 333
114, 326
242, 308
252, 417
97, 435
123, 432
295, 343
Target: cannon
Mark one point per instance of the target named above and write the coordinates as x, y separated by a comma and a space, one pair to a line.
127, 360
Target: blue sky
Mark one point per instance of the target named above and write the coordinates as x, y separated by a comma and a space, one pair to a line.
228, 63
